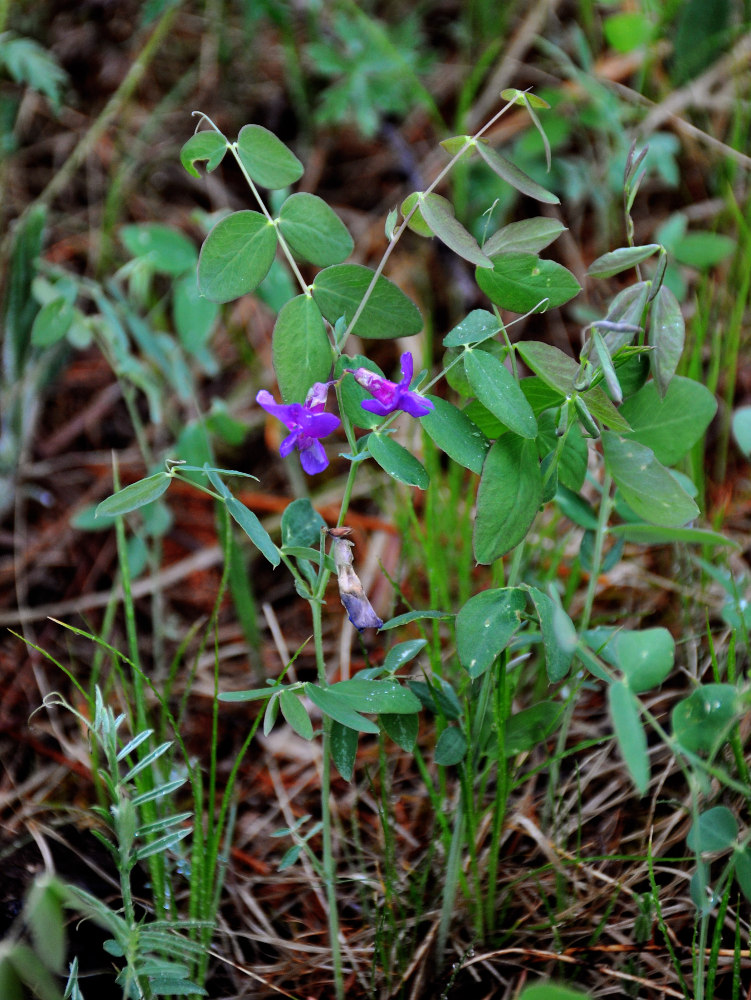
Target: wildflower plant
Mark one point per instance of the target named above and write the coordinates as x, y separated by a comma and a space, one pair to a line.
525, 420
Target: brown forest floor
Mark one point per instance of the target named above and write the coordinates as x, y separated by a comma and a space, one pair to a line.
273, 932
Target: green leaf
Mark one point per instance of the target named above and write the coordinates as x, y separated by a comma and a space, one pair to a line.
338, 291
716, 829
628, 30
255, 695
523, 283
551, 991
402, 729
52, 322
527, 236
377, 696
402, 653
439, 215
253, 529
621, 260
314, 231
455, 434
485, 626
646, 485
742, 428
43, 914
343, 749
438, 697
397, 461
300, 348
477, 326
558, 635
195, 318
268, 161
527, 729
499, 392
672, 422
414, 616
509, 496
629, 732
236, 256
301, 524
645, 657
296, 715
510, 173
702, 722
30, 63
417, 223
167, 250
742, 862
337, 707
450, 747
134, 496
652, 534
19, 964
703, 250
667, 333
203, 146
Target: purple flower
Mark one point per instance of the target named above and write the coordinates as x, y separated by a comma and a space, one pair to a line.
359, 609
307, 421
391, 396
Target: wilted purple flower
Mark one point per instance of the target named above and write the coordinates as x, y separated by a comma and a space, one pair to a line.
308, 422
359, 609
391, 396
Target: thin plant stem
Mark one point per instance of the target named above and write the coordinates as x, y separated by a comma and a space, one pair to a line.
594, 570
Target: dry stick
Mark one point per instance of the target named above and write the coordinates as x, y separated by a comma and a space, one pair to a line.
111, 109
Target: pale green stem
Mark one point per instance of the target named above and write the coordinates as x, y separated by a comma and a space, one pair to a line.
603, 517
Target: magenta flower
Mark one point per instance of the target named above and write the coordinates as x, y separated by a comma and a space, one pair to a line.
307, 421
391, 396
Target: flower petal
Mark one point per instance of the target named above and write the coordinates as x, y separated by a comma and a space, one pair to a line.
313, 458
407, 366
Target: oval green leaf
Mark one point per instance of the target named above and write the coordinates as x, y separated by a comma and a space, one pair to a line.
301, 524
645, 657
337, 707
377, 696
670, 423
476, 327
314, 231
527, 729
510, 173
203, 146
300, 348
702, 722
523, 283
294, 712
716, 829
236, 256
559, 636
499, 392
527, 236
439, 215
402, 729
268, 161
621, 260
450, 747
343, 749
509, 496
485, 626
397, 461
417, 223
629, 733
52, 322
667, 333
253, 529
134, 496
167, 250
455, 434
647, 486
338, 291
